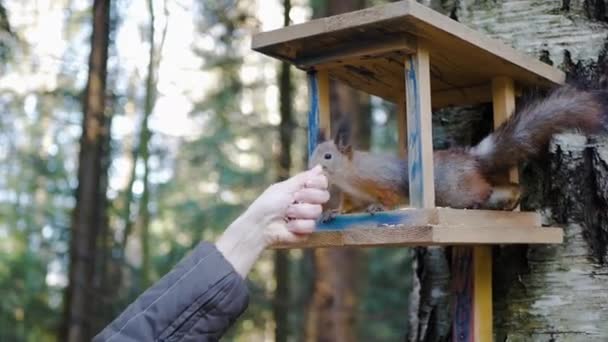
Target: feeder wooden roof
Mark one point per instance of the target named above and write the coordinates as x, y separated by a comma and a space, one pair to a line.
366, 49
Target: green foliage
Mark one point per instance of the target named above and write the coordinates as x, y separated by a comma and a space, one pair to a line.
6, 34
384, 299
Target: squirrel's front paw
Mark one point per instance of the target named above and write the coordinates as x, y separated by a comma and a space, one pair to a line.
504, 197
374, 208
329, 215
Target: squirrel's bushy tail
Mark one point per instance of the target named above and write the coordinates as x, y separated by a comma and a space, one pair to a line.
530, 128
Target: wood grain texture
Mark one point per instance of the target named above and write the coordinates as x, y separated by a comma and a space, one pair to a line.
462, 96
419, 128
344, 53
478, 218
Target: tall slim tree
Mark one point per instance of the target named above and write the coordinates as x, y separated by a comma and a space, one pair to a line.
144, 148
90, 212
281, 258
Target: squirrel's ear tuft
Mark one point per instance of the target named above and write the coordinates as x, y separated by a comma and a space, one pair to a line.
343, 138
321, 136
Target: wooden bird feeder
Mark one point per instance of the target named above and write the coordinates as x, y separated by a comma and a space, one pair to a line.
421, 60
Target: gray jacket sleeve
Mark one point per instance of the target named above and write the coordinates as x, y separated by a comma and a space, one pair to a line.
197, 301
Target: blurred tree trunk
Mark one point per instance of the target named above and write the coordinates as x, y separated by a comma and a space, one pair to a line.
144, 212
141, 152
538, 290
281, 257
90, 211
333, 308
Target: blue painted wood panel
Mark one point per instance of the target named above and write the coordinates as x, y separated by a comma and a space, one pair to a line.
313, 111
462, 286
414, 129
378, 219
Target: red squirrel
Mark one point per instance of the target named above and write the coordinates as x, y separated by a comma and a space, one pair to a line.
464, 177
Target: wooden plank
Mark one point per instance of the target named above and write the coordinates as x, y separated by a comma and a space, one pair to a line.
462, 96
408, 217
458, 218
433, 226
318, 113
427, 235
373, 76
460, 52
419, 129
490, 55
402, 125
490, 234
480, 218
313, 111
483, 310
343, 53
503, 95
324, 97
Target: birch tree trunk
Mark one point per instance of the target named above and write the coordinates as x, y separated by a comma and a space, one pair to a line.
547, 293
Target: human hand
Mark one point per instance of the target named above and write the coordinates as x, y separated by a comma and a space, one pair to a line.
285, 212
288, 210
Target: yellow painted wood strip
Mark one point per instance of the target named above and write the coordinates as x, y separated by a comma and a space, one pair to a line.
324, 108
482, 289
503, 102
402, 126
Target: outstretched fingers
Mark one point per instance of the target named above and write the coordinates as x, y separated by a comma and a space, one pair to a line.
312, 178
304, 211
301, 226
311, 195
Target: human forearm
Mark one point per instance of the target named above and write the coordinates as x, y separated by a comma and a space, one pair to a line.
241, 243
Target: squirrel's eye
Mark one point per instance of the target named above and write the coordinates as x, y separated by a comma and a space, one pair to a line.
327, 156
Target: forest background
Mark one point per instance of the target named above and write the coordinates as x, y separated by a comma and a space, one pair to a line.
132, 130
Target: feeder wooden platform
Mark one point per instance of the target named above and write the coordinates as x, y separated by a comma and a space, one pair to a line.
436, 226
